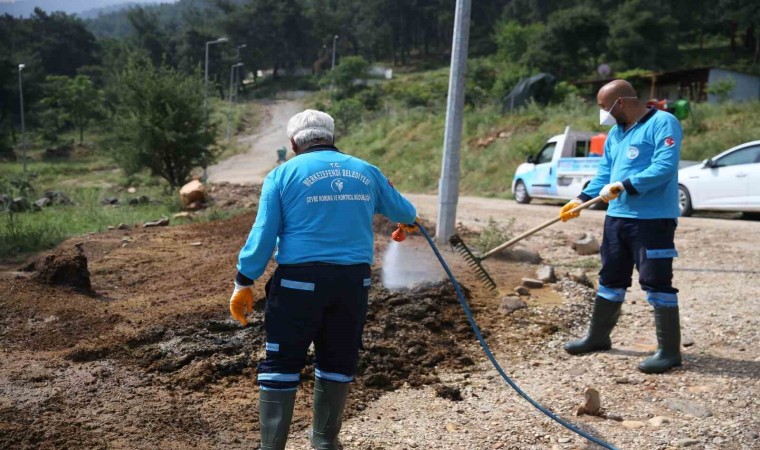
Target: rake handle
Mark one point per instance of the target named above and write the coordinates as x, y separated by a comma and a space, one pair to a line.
535, 230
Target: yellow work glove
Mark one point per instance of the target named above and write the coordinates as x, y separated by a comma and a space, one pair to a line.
241, 302
410, 228
565, 213
611, 191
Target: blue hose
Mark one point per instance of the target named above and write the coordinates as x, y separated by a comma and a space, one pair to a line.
490, 356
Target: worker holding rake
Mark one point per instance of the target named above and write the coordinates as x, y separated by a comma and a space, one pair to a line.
638, 176
317, 209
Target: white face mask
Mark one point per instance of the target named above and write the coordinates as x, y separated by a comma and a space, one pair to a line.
606, 117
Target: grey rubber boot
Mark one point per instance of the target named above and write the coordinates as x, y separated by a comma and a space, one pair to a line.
603, 320
668, 352
275, 414
329, 401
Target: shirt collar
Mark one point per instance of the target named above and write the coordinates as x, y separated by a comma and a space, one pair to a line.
321, 148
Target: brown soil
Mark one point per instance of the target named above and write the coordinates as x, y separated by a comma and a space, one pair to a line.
153, 360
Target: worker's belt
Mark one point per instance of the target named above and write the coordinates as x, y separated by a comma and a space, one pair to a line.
321, 264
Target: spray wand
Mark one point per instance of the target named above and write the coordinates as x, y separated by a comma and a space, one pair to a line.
400, 235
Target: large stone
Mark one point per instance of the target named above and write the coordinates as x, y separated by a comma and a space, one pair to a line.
522, 290
580, 277
519, 254
157, 223
592, 403
511, 304
20, 204
688, 407
192, 192
658, 421
110, 201
632, 424
531, 283
42, 203
58, 198
546, 274
587, 245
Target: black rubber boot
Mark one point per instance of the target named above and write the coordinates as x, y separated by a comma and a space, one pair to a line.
275, 414
603, 320
668, 352
329, 401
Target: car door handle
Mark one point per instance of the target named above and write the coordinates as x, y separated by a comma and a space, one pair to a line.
741, 174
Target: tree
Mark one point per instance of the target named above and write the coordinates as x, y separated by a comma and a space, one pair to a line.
570, 44
643, 35
71, 102
164, 126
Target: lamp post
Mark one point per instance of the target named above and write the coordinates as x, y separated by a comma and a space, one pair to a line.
237, 71
23, 125
233, 68
335, 39
221, 40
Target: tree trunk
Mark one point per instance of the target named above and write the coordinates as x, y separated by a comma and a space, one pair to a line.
81, 134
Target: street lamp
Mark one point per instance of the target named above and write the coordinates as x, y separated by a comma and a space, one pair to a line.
237, 72
23, 125
233, 68
221, 40
335, 39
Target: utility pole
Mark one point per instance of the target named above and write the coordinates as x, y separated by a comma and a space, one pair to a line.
233, 68
335, 39
23, 125
221, 40
332, 68
238, 81
448, 185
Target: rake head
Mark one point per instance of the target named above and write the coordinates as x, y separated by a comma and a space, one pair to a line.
472, 261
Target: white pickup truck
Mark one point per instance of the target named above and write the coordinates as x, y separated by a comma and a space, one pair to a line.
562, 168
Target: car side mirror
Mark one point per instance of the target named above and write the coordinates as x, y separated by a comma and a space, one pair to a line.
530, 159
709, 163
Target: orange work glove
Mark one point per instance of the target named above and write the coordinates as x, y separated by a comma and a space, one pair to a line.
565, 215
241, 302
410, 227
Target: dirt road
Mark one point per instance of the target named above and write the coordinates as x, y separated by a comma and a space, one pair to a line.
252, 166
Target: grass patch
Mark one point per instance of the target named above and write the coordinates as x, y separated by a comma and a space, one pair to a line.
88, 177
406, 142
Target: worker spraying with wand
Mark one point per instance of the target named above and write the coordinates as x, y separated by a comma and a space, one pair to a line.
638, 176
317, 210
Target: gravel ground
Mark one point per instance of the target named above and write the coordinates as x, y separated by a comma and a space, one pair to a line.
718, 276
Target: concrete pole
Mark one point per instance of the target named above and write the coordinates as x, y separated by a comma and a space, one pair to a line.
448, 185
23, 125
233, 68
335, 39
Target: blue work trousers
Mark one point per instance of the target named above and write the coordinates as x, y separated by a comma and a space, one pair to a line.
321, 303
648, 245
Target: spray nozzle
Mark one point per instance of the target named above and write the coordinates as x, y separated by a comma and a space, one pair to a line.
400, 234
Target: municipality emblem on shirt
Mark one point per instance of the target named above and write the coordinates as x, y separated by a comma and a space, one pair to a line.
669, 141
632, 153
337, 184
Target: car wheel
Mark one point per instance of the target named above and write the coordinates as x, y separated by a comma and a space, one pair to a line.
521, 193
751, 215
684, 201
